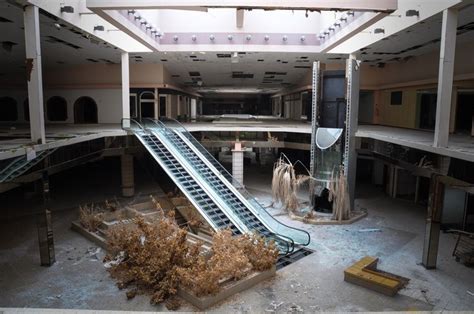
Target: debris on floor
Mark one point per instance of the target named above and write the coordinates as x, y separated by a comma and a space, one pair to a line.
370, 230
365, 273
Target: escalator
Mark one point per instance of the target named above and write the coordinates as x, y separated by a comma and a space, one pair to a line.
170, 139
21, 165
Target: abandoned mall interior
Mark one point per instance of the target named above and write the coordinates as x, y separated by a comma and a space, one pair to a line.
236, 156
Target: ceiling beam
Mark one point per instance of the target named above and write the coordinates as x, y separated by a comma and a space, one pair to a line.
239, 17
118, 20
386, 6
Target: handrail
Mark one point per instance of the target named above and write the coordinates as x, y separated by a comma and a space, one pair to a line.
240, 187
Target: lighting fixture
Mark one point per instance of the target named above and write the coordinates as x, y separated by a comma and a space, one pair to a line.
285, 38
99, 28
302, 38
331, 28
230, 37
67, 9
131, 11
350, 13
321, 36
175, 37
326, 33
343, 19
267, 37
379, 31
137, 16
212, 37
248, 37
412, 13
337, 24
193, 37
57, 25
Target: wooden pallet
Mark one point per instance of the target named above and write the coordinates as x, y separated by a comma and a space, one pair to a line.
365, 273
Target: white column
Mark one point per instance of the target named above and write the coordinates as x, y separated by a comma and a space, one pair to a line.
238, 163
445, 77
34, 74
156, 104
125, 89
350, 154
193, 109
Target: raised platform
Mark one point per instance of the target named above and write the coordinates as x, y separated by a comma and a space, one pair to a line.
459, 146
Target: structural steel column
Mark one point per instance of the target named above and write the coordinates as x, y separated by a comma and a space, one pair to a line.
34, 74
238, 163
193, 109
352, 112
433, 222
445, 77
125, 88
128, 181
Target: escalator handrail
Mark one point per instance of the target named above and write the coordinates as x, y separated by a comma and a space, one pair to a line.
289, 242
241, 188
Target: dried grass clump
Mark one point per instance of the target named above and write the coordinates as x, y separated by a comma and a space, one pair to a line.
156, 257
285, 184
90, 217
339, 195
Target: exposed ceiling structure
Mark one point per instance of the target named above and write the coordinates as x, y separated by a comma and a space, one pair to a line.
263, 71
416, 40
61, 43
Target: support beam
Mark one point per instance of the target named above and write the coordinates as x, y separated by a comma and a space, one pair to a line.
238, 163
239, 18
128, 181
342, 5
433, 222
445, 77
34, 74
125, 88
352, 112
193, 109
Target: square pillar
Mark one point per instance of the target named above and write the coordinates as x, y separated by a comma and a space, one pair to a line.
445, 77
125, 89
352, 112
433, 223
193, 109
128, 180
34, 74
238, 163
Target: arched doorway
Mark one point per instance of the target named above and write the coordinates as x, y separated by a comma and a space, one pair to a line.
8, 110
56, 109
85, 110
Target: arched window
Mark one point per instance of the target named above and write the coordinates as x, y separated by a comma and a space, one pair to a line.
26, 110
56, 109
85, 110
8, 111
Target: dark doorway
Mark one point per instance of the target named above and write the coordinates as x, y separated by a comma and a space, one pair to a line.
428, 111
465, 113
56, 109
333, 102
85, 111
8, 111
162, 106
147, 104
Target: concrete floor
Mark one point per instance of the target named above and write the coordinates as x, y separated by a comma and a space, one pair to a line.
78, 279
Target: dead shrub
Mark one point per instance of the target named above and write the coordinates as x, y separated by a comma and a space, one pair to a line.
156, 257
90, 217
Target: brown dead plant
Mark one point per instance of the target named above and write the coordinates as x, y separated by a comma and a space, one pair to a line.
90, 216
